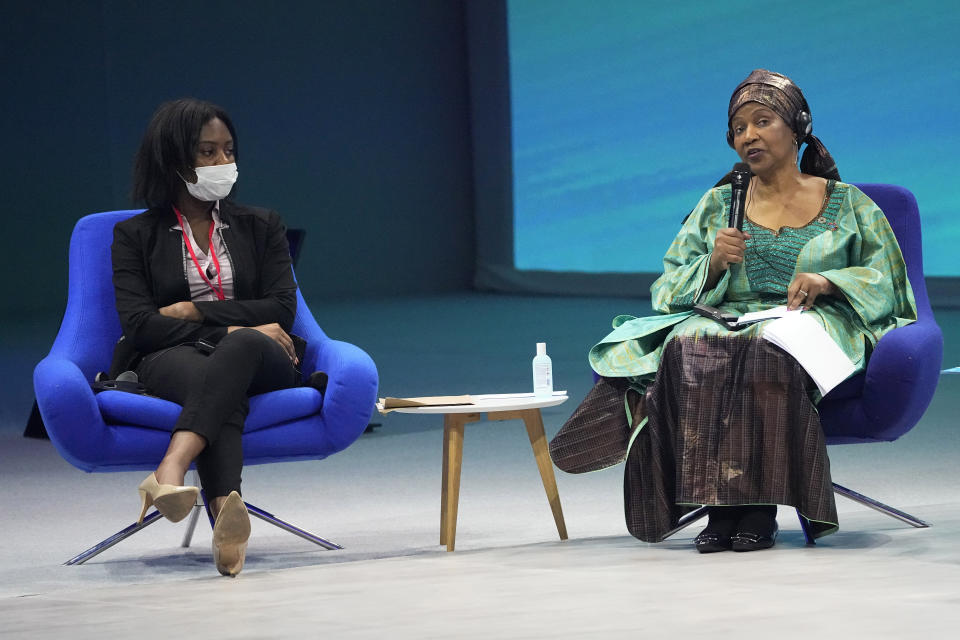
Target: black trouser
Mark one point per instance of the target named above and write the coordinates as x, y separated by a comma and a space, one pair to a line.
213, 390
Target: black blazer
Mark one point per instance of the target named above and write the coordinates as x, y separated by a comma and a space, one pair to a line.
149, 273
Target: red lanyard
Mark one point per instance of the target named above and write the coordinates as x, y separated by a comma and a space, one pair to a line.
218, 289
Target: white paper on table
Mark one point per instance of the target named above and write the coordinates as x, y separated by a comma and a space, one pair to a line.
508, 396
802, 337
757, 316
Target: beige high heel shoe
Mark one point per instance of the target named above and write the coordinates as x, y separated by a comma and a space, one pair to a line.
172, 501
230, 535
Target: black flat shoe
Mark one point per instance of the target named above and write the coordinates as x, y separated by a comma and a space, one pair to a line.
747, 541
711, 542
721, 525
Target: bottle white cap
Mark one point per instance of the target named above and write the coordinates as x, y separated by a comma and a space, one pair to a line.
541, 348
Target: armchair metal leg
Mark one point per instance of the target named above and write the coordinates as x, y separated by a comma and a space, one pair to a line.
693, 516
195, 513
879, 506
272, 519
286, 526
686, 521
114, 539
805, 527
191, 526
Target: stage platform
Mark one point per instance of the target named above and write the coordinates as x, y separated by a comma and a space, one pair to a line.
510, 577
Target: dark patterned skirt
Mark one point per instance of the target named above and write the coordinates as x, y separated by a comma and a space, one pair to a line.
729, 422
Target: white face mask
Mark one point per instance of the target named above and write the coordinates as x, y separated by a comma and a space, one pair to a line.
213, 183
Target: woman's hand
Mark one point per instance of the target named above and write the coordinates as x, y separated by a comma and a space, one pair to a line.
805, 288
728, 248
274, 331
182, 311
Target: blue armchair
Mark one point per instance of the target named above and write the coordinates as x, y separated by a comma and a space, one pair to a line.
118, 431
889, 398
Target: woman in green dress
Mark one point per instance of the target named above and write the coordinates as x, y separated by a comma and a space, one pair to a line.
705, 415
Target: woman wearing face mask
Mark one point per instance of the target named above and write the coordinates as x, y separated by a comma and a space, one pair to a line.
206, 299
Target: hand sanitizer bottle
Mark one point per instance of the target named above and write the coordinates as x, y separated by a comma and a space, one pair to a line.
542, 372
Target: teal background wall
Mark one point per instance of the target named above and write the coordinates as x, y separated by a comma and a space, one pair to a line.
352, 118
619, 114
389, 129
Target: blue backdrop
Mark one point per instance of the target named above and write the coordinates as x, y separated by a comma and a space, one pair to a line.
619, 114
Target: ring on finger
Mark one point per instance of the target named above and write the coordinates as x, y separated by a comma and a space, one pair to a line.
802, 292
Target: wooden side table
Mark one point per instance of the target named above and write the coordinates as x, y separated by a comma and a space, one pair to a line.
497, 407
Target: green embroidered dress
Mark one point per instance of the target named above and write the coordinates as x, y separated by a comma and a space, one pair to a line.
850, 243
727, 418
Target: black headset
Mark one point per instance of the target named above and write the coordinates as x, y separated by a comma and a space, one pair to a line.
802, 126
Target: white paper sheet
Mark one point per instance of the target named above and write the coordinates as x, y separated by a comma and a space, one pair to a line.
496, 396
757, 316
802, 337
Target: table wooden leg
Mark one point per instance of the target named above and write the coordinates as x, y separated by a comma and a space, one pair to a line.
443, 481
453, 457
538, 440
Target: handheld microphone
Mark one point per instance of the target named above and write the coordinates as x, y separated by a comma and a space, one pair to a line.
740, 178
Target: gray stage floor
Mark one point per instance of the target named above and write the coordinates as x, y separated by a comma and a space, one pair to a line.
510, 577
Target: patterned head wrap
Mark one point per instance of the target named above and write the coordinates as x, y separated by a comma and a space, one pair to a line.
779, 93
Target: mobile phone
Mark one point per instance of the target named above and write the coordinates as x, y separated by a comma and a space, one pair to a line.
204, 347
729, 320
